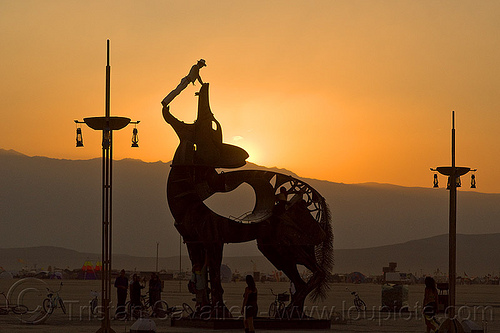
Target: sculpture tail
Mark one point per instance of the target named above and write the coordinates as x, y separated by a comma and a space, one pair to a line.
324, 255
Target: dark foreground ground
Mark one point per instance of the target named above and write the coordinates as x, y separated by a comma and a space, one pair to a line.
480, 303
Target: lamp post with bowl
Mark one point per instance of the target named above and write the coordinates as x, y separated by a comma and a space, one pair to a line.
107, 125
453, 173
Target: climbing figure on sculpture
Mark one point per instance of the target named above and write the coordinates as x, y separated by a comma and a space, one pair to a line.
281, 200
301, 234
194, 74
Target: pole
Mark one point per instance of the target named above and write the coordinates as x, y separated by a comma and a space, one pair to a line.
107, 143
103, 236
453, 225
108, 79
157, 244
180, 262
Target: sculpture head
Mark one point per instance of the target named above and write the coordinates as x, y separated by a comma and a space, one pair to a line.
201, 142
201, 63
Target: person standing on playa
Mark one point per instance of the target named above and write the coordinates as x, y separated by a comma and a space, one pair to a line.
199, 277
249, 309
121, 285
430, 305
135, 293
194, 74
155, 293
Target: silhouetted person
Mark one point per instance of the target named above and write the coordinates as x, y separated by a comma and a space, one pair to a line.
430, 304
155, 293
135, 293
281, 200
121, 285
249, 308
194, 74
293, 290
200, 280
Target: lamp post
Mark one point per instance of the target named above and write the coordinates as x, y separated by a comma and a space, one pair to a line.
453, 172
157, 245
107, 125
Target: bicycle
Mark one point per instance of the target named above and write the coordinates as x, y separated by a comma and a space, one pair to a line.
137, 311
277, 308
188, 309
53, 300
15, 308
358, 302
178, 312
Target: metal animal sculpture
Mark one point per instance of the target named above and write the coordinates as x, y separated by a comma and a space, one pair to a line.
299, 234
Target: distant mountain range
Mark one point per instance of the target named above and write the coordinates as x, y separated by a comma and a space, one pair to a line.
478, 255
56, 202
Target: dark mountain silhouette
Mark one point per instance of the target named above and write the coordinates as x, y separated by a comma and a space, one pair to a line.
478, 255
57, 202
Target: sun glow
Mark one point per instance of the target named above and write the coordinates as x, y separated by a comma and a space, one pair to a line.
366, 96
256, 155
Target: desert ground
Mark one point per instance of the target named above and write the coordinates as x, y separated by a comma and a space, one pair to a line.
480, 303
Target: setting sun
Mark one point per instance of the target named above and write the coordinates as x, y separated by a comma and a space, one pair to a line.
255, 154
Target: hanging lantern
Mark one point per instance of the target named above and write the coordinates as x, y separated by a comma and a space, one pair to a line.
458, 183
135, 138
473, 181
436, 183
79, 137
106, 138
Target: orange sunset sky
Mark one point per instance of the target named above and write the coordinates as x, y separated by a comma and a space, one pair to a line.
346, 91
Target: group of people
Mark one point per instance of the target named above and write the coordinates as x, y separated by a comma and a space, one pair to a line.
122, 286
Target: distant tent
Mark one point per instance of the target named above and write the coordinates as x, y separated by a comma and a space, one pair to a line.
98, 266
277, 275
98, 269
87, 272
356, 277
225, 273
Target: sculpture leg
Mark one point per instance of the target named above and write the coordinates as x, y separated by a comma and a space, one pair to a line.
296, 306
197, 256
317, 279
196, 253
214, 252
303, 289
284, 260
